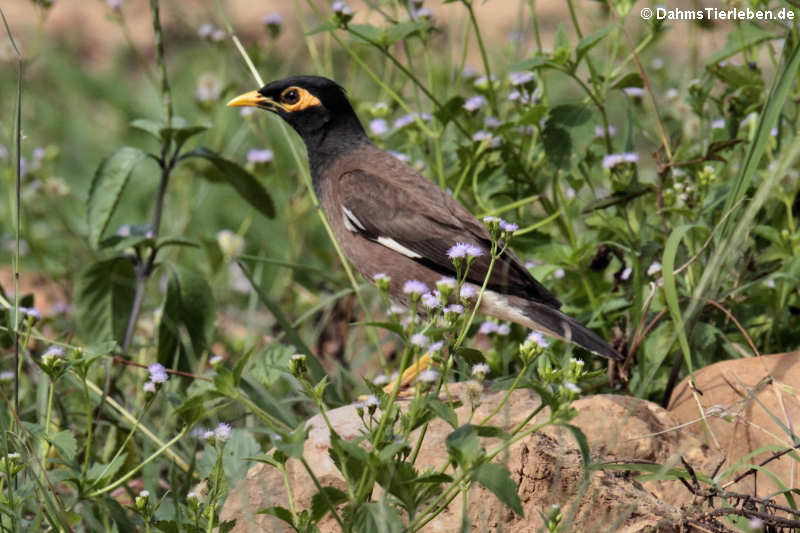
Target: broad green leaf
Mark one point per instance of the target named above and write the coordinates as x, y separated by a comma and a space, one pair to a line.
570, 115
281, 513
64, 441
189, 303
367, 33
106, 189
379, 517
398, 32
449, 110
153, 127
557, 146
497, 479
100, 474
104, 298
583, 446
325, 500
443, 411
632, 79
463, 445
248, 187
590, 41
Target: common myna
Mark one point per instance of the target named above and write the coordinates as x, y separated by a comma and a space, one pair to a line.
391, 220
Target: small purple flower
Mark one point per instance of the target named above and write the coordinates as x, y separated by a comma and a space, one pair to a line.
483, 135
431, 300
428, 376
414, 287
654, 268
491, 122
718, 124
508, 227
149, 386
272, 19
480, 369
626, 274
474, 103
378, 126
461, 250
114, 4
468, 292
570, 386
600, 131
520, 78
455, 309
7, 375
419, 340
380, 380
487, 328
612, 160
634, 92
341, 8
3, 152
205, 30
246, 111
446, 283
53, 351
436, 347
401, 156
259, 157
223, 432
372, 401
538, 339
403, 121
559, 273
503, 330
469, 72
31, 312
381, 276
158, 374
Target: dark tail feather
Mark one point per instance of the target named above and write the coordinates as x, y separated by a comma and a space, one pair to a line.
567, 328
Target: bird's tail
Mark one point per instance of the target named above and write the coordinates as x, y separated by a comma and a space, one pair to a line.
542, 317
567, 328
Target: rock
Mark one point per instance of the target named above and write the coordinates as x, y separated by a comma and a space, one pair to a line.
742, 399
546, 466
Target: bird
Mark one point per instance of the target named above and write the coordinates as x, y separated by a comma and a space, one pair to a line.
392, 221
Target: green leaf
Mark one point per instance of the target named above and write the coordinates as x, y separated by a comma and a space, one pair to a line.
248, 187
443, 411
104, 298
100, 474
152, 127
367, 33
107, 185
398, 32
432, 478
570, 115
632, 79
181, 135
177, 241
463, 445
557, 146
449, 110
378, 517
497, 479
64, 441
590, 41
189, 303
325, 500
281, 513
583, 446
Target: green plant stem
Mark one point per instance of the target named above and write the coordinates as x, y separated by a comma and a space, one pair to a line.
124, 413
506, 396
48, 414
468, 323
166, 96
147, 461
324, 494
89, 430
289, 493
263, 415
476, 28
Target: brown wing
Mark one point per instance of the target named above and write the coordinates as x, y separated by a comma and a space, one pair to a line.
426, 222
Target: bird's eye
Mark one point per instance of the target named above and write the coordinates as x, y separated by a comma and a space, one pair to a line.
290, 97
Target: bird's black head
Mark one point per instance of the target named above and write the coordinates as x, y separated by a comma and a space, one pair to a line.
314, 106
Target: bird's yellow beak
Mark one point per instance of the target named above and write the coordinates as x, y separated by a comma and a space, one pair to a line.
253, 99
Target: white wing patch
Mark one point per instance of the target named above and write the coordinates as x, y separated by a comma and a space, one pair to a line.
351, 222
397, 247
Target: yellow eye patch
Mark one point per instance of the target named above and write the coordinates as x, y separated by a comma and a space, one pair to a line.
296, 99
